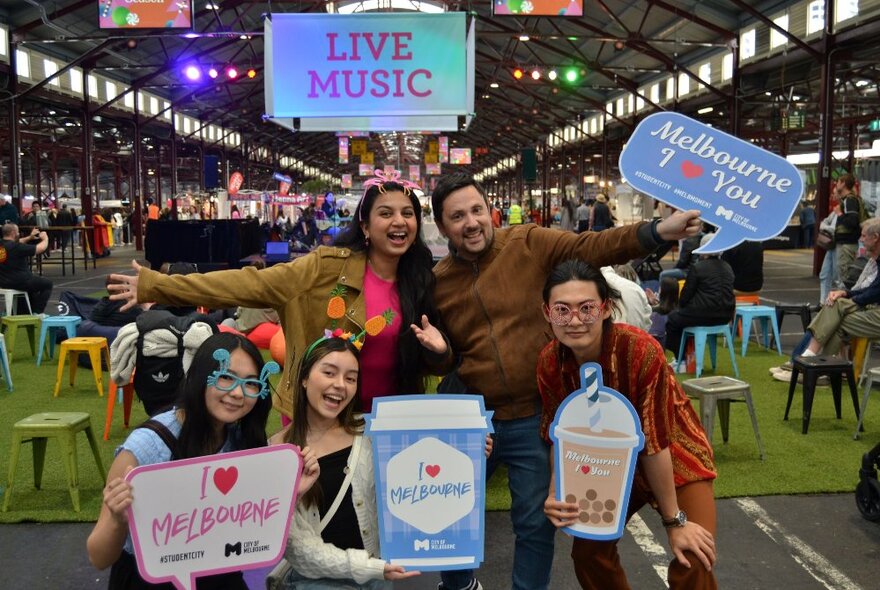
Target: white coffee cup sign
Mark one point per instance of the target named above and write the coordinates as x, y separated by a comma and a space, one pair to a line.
597, 435
210, 515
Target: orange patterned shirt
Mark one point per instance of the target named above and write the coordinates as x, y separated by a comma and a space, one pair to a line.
634, 364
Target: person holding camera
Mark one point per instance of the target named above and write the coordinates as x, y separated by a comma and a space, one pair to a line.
14, 272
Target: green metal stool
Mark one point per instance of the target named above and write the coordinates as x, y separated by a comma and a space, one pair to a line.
37, 429
10, 325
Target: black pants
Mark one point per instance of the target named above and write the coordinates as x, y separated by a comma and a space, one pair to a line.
124, 575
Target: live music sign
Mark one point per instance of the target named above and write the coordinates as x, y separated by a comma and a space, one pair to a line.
366, 65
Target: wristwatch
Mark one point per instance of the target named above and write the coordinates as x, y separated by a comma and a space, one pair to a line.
678, 520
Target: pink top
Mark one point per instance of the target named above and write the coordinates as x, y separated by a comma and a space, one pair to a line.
378, 368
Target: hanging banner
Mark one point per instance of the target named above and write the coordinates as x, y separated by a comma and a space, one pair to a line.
430, 463
431, 159
358, 147
443, 149
209, 515
415, 173
745, 191
235, 181
343, 150
346, 181
280, 199
283, 188
369, 71
365, 170
432, 170
368, 158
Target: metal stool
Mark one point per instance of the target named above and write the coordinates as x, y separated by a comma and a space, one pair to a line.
125, 395
66, 322
801, 309
9, 296
766, 315
813, 367
72, 347
720, 391
700, 334
870, 377
10, 325
4, 362
37, 429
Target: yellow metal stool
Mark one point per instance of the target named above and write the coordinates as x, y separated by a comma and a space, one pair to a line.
10, 325
72, 347
37, 429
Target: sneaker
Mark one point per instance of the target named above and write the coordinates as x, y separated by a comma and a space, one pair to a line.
474, 585
785, 377
786, 366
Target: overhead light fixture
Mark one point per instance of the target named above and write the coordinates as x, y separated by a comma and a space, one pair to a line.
251, 73
517, 73
231, 73
705, 110
493, 85
212, 6
552, 74
523, 37
536, 74
213, 73
192, 73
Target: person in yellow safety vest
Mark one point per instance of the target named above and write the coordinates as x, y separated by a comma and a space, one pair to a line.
515, 216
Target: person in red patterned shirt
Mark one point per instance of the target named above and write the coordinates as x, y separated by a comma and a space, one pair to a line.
675, 469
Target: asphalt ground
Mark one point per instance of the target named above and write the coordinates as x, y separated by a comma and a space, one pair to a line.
773, 542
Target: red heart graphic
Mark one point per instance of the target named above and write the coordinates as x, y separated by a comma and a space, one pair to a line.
225, 479
691, 170
432, 470
585, 468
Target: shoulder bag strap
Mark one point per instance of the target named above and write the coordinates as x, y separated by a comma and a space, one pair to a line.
346, 483
162, 431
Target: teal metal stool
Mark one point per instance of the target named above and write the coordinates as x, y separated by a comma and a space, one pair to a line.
700, 335
4, 362
65, 322
767, 316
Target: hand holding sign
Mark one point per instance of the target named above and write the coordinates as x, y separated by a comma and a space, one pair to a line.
747, 192
211, 515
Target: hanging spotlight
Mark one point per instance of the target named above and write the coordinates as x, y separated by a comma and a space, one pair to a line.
517, 73
192, 73
251, 73
231, 72
493, 85
552, 74
536, 74
213, 73
571, 75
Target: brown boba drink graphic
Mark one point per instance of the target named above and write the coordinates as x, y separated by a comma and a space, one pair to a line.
597, 436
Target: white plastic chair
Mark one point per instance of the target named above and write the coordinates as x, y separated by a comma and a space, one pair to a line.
9, 296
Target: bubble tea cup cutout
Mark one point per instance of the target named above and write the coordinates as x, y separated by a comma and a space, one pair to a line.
597, 435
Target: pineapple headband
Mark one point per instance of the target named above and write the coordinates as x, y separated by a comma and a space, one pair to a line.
336, 311
379, 180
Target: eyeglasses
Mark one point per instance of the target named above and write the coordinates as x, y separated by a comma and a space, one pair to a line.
561, 314
228, 382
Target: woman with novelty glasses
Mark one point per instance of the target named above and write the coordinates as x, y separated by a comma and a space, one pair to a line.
223, 406
675, 469
379, 262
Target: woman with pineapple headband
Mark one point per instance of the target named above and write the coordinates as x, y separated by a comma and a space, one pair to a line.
379, 263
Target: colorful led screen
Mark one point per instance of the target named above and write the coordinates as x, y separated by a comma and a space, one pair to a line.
145, 14
460, 156
538, 7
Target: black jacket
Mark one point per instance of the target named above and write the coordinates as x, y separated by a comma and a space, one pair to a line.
708, 290
747, 263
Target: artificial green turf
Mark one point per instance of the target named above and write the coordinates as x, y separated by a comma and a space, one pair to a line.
825, 460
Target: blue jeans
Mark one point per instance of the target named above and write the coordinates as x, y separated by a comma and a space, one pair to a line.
827, 275
678, 273
518, 444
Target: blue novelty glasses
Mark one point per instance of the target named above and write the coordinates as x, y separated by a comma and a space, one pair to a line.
228, 382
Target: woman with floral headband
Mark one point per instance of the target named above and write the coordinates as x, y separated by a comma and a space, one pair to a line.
378, 273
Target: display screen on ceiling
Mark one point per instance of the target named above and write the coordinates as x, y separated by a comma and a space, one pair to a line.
538, 7
145, 14
460, 156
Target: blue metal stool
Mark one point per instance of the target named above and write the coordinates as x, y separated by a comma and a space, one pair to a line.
4, 362
67, 322
700, 334
767, 315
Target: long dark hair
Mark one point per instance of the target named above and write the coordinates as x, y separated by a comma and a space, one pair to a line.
668, 295
197, 435
352, 422
578, 270
415, 283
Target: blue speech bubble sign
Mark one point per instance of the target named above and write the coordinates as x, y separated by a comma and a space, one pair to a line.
745, 191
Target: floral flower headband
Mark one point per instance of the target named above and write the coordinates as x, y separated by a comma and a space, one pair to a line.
381, 177
336, 311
